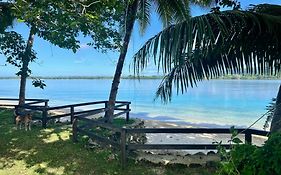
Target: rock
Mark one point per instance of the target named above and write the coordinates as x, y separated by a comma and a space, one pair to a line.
195, 165
211, 153
112, 157
92, 144
212, 164
199, 154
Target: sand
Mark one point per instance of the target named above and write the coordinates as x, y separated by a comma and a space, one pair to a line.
186, 157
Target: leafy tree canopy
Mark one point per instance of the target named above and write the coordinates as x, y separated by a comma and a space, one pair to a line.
60, 22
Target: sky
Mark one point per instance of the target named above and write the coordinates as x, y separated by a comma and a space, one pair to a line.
54, 61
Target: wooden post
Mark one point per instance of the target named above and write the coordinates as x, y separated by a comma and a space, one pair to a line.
44, 118
248, 137
128, 113
46, 103
45, 114
123, 148
71, 114
15, 113
105, 107
74, 130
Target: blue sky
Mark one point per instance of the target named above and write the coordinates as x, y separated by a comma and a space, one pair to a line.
54, 61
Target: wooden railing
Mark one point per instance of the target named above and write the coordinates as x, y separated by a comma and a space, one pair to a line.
13, 102
126, 146
47, 113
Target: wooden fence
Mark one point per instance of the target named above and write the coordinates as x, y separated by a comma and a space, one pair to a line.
48, 113
125, 146
83, 123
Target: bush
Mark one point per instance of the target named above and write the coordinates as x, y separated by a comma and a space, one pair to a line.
248, 159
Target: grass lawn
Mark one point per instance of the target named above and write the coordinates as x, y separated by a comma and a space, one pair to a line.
51, 151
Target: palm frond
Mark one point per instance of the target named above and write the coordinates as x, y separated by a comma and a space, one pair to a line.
143, 15
180, 9
212, 45
164, 12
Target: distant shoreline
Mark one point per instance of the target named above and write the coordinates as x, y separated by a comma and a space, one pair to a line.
85, 77
226, 77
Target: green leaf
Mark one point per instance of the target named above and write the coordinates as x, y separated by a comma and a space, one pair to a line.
20, 20
236, 140
38, 83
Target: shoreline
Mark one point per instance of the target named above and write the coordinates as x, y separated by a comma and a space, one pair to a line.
152, 77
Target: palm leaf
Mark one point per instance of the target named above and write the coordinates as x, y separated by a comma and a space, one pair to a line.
172, 11
213, 45
143, 15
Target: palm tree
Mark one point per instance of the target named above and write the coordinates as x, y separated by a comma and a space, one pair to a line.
140, 10
215, 44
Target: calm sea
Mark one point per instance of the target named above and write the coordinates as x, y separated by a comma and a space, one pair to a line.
211, 103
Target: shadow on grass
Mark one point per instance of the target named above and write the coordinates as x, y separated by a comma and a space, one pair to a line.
51, 151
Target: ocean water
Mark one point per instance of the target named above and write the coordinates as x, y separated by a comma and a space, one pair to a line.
212, 103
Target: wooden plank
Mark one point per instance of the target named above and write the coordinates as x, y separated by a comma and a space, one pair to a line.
182, 130
98, 138
259, 132
89, 112
121, 113
75, 105
9, 99
35, 102
119, 109
29, 99
36, 108
8, 105
80, 113
71, 114
128, 113
124, 102
44, 118
175, 146
248, 137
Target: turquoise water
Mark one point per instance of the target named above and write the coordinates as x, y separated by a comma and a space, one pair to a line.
212, 103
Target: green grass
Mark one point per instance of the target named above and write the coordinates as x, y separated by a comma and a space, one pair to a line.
51, 151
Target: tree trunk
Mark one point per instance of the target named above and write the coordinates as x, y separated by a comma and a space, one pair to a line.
131, 16
24, 69
276, 119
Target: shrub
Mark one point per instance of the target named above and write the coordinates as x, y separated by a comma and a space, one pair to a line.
246, 159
